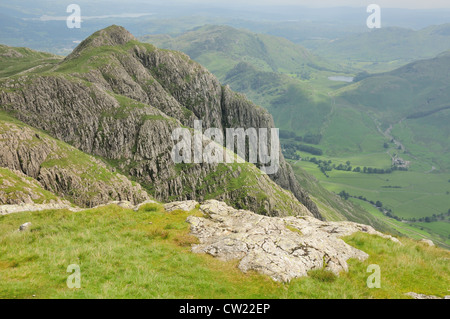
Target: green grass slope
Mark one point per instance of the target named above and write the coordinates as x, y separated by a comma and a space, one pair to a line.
333, 207
146, 254
16, 60
409, 195
17, 188
414, 99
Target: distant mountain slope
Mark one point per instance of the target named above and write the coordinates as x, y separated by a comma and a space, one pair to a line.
349, 119
420, 86
220, 48
120, 99
293, 104
390, 45
271, 71
415, 100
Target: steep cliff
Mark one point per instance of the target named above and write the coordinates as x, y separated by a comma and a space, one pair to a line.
53, 167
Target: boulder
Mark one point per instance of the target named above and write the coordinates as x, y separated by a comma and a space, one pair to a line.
428, 242
25, 227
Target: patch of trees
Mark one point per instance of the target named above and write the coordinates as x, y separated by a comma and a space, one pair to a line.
371, 170
287, 134
396, 168
328, 166
344, 195
361, 76
289, 150
426, 113
290, 153
308, 138
388, 212
431, 219
310, 149
312, 139
304, 75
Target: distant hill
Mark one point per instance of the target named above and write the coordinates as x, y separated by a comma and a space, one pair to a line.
415, 99
388, 46
272, 71
220, 48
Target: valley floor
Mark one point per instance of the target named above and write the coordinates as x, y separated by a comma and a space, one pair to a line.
409, 195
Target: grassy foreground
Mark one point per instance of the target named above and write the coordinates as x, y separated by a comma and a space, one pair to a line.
146, 254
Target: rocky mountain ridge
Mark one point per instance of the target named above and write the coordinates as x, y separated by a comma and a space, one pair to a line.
119, 99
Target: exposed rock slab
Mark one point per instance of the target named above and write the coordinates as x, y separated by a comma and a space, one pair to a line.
427, 242
282, 248
10, 209
422, 296
183, 205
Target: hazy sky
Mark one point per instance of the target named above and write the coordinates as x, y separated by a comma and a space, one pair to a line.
411, 4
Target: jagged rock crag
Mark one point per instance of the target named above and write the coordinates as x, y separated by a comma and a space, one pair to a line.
59, 169
120, 99
282, 248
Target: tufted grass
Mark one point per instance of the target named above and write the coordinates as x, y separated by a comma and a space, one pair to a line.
146, 254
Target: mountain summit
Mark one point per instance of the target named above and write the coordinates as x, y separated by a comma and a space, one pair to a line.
111, 36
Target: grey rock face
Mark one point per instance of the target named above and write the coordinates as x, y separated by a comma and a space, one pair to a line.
421, 296
86, 180
282, 248
10, 209
17, 188
165, 90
